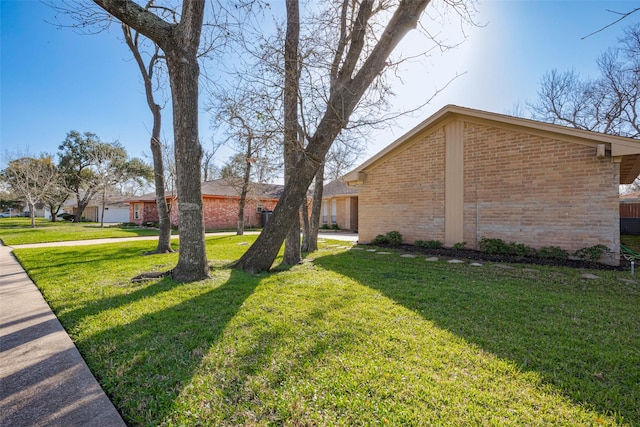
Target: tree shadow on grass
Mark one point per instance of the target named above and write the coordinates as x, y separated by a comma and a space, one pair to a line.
580, 336
144, 363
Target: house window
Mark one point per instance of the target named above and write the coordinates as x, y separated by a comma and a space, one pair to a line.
259, 207
334, 210
324, 213
136, 211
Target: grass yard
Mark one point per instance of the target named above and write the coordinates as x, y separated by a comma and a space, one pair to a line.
18, 231
349, 337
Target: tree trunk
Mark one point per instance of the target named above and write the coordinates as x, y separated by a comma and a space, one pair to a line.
304, 216
180, 44
184, 71
102, 213
164, 219
291, 80
346, 92
245, 186
32, 214
310, 240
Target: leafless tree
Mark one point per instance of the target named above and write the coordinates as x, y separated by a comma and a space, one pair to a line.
149, 71
366, 34
179, 40
250, 129
608, 104
31, 178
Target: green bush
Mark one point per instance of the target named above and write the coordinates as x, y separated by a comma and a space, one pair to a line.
552, 252
395, 238
381, 239
429, 244
591, 253
500, 247
335, 227
324, 227
493, 246
459, 246
391, 238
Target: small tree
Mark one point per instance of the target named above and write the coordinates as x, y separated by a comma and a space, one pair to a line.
111, 168
149, 71
31, 178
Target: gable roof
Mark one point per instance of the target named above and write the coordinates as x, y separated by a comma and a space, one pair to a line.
227, 188
338, 188
627, 149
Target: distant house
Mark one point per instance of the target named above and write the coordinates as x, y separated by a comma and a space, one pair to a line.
116, 210
339, 206
465, 174
220, 201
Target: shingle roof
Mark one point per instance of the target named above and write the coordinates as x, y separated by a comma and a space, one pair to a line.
227, 187
337, 188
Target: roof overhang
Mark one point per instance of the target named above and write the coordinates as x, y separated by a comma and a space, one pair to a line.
626, 151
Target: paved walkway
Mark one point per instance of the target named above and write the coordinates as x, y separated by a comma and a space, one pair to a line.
43, 379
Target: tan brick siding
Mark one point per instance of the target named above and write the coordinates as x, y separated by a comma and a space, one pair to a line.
517, 187
537, 191
406, 193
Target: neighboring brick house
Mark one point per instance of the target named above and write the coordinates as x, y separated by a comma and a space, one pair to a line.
339, 206
465, 174
220, 201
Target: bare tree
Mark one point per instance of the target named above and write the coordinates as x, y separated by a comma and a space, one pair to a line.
608, 104
250, 129
31, 178
149, 71
179, 41
361, 48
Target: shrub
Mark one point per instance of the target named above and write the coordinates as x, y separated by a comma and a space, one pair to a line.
591, 253
391, 238
552, 252
395, 238
499, 246
429, 244
335, 227
324, 227
459, 246
381, 239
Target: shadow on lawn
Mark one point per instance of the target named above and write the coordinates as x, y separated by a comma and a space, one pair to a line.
571, 332
144, 364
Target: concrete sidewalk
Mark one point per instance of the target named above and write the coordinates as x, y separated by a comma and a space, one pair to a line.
43, 379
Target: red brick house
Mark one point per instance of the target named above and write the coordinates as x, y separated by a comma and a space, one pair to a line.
339, 206
220, 199
465, 174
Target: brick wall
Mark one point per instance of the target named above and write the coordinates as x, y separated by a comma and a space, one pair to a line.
406, 193
222, 213
517, 187
537, 191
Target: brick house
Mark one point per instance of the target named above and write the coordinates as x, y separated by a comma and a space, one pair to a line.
465, 174
339, 206
220, 199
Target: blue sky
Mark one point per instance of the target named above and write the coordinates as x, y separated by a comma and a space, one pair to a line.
55, 80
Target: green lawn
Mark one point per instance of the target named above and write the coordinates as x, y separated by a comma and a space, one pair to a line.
349, 337
18, 231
